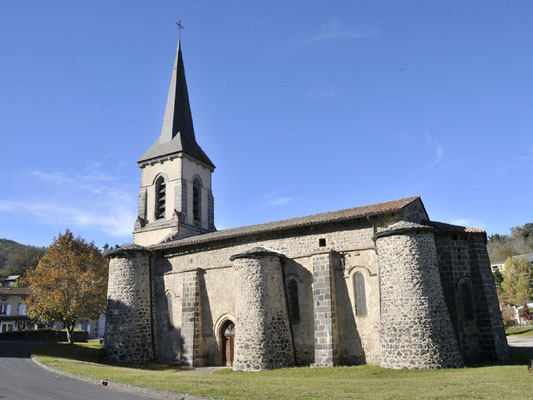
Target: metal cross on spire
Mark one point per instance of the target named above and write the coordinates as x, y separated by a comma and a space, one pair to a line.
180, 27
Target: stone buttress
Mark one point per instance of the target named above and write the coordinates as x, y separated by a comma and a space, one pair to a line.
325, 310
128, 331
263, 338
416, 330
191, 327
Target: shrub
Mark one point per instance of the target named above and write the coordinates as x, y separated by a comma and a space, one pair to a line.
508, 316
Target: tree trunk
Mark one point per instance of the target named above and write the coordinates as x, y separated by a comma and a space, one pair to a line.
70, 328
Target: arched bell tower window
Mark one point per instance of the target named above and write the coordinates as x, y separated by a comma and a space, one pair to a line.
197, 201
294, 304
360, 294
160, 196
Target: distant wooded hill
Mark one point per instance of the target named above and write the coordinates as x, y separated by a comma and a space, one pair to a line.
520, 241
15, 258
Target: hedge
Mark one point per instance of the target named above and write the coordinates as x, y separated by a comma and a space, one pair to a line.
44, 334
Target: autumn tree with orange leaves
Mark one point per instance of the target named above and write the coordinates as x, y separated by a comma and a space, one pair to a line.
69, 284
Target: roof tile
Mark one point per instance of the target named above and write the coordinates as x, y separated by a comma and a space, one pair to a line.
14, 290
316, 219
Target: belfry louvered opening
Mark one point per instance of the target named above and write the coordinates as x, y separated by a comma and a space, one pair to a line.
160, 197
197, 202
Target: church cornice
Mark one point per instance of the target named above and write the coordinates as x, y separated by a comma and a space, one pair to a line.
170, 157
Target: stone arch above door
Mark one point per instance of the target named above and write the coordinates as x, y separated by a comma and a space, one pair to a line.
223, 341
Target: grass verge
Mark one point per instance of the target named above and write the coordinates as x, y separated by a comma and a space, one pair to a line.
511, 381
522, 331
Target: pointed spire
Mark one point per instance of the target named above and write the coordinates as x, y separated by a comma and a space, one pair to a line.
178, 116
177, 132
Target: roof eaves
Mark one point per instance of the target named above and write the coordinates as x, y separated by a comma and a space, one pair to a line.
198, 239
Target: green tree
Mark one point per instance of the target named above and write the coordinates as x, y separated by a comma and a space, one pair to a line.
523, 231
518, 280
520, 241
69, 283
15, 258
498, 278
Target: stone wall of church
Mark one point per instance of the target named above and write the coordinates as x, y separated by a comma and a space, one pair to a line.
167, 312
359, 337
128, 331
416, 331
470, 295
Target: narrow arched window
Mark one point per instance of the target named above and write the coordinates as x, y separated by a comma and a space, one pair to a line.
360, 294
197, 201
465, 292
160, 196
294, 303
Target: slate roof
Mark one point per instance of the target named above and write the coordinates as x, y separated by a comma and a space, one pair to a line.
177, 133
14, 290
401, 226
124, 248
310, 220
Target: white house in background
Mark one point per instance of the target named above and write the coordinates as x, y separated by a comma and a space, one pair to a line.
13, 312
500, 265
11, 280
12, 309
516, 315
94, 327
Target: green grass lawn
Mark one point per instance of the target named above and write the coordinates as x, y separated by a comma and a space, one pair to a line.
522, 331
511, 381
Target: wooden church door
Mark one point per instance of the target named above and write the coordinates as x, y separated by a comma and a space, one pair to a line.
229, 342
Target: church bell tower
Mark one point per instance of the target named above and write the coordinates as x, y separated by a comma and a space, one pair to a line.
175, 198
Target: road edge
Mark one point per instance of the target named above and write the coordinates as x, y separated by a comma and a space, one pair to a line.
121, 386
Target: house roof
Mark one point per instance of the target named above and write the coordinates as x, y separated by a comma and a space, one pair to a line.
12, 278
14, 290
310, 220
528, 257
177, 133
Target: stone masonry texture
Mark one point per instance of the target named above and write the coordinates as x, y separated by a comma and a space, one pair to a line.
128, 332
325, 312
191, 322
263, 338
416, 331
463, 257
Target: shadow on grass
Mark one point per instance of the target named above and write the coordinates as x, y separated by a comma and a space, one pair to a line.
93, 353
517, 356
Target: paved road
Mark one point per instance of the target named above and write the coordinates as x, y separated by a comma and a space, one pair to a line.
21, 379
517, 341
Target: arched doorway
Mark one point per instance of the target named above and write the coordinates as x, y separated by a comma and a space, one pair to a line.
227, 341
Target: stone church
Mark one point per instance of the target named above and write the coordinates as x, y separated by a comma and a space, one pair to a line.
379, 284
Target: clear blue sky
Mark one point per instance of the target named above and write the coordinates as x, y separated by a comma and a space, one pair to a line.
303, 106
